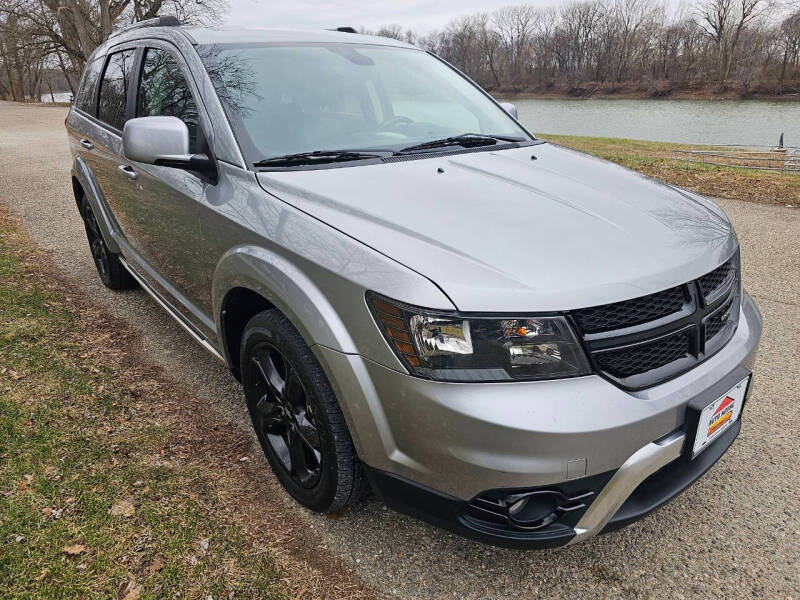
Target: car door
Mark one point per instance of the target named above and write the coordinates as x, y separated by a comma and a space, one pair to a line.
102, 146
162, 203
83, 128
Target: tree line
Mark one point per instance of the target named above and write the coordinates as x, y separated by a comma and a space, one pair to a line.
581, 47
44, 44
578, 47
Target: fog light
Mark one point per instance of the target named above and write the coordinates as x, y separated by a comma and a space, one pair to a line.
533, 510
530, 510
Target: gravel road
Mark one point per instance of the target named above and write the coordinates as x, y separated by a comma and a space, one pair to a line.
735, 533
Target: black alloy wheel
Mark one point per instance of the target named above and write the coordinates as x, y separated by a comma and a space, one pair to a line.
109, 268
283, 418
297, 417
97, 244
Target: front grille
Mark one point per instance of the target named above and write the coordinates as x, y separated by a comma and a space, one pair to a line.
630, 312
644, 341
644, 357
717, 322
718, 278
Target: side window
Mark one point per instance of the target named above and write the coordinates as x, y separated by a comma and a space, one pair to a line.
85, 98
114, 88
164, 92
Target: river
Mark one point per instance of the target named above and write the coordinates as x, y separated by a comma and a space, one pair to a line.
751, 122
59, 97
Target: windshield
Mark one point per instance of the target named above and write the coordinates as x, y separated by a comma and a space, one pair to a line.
290, 99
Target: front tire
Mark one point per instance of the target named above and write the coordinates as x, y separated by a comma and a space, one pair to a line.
113, 275
296, 416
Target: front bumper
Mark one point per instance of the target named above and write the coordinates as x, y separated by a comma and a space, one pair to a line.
434, 449
647, 481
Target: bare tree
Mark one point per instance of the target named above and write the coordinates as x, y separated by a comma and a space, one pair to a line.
515, 26
790, 45
630, 17
66, 32
724, 21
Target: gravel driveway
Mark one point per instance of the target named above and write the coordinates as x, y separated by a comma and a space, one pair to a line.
735, 533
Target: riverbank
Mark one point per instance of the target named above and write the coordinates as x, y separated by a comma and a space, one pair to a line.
645, 91
37, 103
654, 159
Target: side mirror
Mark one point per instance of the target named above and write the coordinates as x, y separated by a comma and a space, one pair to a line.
163, 141
510, 109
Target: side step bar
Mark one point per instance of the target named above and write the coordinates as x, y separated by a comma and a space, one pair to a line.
196, 335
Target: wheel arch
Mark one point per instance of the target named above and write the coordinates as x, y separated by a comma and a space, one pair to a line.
77, 191
239, 305
250, 279
84, 186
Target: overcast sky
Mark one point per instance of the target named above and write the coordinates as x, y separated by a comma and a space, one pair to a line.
420, 15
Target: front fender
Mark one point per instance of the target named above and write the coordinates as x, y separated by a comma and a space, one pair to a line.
286, 287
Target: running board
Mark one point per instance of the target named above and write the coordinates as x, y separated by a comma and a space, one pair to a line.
196, 335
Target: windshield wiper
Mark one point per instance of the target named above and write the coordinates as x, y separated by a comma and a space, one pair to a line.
466, 140
314, 158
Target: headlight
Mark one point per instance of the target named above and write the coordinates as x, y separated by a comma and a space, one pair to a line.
455, 347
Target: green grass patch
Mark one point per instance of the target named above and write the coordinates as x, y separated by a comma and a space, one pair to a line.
655, 159
93, 504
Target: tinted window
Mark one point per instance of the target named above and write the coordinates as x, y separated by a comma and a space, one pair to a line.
164, 92
85, 98
114, 88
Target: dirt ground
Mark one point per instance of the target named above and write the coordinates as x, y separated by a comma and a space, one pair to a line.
735, 533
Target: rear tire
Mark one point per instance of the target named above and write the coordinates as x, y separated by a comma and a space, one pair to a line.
113, 275
296, 416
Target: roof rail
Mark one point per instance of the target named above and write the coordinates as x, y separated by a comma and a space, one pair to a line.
165, 21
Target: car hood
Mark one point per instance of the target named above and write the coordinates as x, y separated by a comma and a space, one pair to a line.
538, 228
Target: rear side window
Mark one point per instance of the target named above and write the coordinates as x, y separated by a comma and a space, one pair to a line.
85, 98
114, 88
164, 92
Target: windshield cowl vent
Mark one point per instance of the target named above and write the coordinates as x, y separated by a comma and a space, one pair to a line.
438, 153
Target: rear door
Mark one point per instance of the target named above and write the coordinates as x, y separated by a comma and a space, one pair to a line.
83, 127
106, 151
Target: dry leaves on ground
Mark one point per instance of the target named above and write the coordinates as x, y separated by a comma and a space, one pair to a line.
131, 591
74, 549
154, 566
123, 508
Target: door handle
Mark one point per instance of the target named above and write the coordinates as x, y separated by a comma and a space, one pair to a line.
87, 144
128, 171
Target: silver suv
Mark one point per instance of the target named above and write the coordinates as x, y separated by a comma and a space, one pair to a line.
512, 340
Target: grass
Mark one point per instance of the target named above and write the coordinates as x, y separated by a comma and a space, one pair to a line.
654, 159
97, 497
